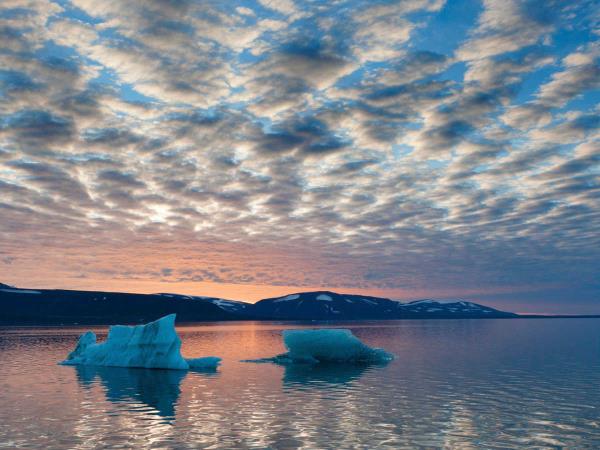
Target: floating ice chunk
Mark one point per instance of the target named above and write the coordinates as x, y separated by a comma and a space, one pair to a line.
85, 340
330, 345
154, 345
327, 346
324, 297
208, 362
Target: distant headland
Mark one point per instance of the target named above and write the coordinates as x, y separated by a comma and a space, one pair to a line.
70, 307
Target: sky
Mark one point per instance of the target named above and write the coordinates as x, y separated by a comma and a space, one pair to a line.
408, 149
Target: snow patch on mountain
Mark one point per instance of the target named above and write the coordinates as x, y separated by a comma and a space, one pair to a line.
228, 305
20, 291
366, 300
287, 298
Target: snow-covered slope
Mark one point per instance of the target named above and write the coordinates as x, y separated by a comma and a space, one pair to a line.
19, 291
323, 305
447, 307
233, 306
63, 307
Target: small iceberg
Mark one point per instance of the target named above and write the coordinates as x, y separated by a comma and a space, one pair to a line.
326, 346
152, 346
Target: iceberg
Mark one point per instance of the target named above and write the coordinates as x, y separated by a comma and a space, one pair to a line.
153, 346
327, 346
205, 363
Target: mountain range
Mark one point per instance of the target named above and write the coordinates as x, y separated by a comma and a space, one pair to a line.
52, 307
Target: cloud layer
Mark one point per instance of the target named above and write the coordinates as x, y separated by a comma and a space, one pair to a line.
410, 146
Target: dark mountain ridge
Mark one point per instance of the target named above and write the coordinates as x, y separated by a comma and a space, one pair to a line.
326, 305
55, 306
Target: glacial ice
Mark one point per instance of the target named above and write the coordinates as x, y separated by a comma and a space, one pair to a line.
207, 362
327, 346
154, 346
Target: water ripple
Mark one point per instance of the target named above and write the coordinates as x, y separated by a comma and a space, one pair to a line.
455, 384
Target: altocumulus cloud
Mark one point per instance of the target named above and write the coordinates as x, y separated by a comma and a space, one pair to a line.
404, 146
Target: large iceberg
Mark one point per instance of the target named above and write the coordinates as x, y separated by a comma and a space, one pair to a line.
154, 346
327, 346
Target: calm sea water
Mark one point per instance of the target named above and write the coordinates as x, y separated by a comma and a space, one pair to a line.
454, 384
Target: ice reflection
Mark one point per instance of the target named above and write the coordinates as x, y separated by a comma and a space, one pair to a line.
324, 375
156, 388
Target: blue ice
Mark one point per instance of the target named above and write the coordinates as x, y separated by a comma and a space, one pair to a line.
154, 346
327, 346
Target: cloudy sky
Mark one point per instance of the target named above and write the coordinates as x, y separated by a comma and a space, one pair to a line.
411, 149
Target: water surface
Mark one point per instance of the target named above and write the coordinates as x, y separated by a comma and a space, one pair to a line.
454, 384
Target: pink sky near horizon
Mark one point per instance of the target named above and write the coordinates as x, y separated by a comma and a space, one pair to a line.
253, 292
250, 272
